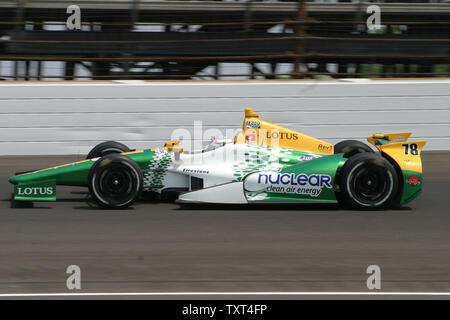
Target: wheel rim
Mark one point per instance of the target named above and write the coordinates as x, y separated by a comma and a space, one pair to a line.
116, 185
370, 184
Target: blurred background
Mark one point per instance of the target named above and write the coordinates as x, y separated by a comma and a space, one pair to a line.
253, 39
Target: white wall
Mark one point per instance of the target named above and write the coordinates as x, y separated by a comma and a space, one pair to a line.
71, 117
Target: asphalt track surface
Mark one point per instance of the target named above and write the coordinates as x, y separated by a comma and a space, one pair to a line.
164, 248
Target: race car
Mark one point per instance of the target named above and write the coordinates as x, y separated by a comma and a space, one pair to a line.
263, 163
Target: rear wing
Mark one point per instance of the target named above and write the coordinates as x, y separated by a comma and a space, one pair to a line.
406, 154
396, 145
386, 138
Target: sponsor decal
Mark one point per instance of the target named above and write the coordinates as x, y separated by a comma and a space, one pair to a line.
35, 191
308, 157
222, 139
282, 135
45, 190
250, 138
398, 139
253, 124
320, 180
195, 171
322, 147
413, 180
291, 183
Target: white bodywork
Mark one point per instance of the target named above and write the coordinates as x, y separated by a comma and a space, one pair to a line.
215, 167
229, 193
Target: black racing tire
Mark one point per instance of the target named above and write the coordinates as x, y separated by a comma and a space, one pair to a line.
107, 147
351, 147
368, 181
115, 181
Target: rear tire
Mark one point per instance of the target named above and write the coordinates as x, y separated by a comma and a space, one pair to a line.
107, 147
115, 181
351, 147
368, 181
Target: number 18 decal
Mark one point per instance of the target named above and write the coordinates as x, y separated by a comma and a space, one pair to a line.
411, 148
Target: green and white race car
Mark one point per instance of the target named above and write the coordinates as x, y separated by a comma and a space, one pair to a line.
263, 163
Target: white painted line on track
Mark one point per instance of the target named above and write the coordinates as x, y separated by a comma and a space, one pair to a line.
87, 294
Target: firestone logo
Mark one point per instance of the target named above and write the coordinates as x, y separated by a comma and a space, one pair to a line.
35, 191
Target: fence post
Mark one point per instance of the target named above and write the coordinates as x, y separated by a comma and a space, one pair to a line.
300, 34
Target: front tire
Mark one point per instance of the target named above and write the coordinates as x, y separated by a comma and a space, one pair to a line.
368, 181
115, 181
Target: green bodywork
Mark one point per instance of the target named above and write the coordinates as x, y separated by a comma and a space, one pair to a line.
324, 166
410, 192
76, 174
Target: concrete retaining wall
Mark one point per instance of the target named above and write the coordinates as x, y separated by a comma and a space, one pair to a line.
71, 117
